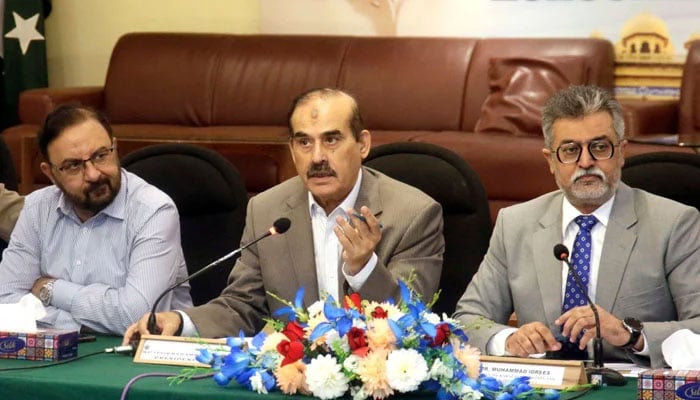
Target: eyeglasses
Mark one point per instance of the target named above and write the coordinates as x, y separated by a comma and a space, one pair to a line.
100, 158
599, 149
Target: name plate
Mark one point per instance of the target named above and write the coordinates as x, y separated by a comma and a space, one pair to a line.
554, 374
175, 350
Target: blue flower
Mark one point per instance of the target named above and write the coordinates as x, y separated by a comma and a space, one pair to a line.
221, 379
505, 396
238, 342
339, 318
551, 394
207, 357
490, 383
234, 364
291, 312
443, 394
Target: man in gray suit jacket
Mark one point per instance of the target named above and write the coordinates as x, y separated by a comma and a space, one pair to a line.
641, 266
329, 249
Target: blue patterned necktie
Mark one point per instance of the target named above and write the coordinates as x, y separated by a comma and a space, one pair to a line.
581, 261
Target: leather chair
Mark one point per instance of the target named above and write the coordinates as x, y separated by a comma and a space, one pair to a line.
669, 174
211, 199
448, 179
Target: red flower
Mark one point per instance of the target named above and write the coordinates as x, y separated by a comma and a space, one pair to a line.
292, 351
353, 301
379, 313
441, 336
357, 341
293, 331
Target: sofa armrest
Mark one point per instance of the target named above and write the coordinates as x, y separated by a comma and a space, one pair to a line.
647, 117
35, 104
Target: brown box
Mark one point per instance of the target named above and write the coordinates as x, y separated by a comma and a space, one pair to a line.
43, 345
668, 384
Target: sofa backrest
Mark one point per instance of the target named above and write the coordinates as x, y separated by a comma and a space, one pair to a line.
581, 60
421, 84
210, 79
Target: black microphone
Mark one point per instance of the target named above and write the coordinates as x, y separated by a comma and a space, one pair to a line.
281, 225
596, 374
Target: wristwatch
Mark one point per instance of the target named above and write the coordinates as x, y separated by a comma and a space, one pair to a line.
634, 327
46, 292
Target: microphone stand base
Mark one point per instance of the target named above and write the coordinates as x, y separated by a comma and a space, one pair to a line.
605, 377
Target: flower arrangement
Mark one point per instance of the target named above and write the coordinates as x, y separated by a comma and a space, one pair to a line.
363, 348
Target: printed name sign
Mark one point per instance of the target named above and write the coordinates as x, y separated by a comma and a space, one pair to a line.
175, 350
555, 374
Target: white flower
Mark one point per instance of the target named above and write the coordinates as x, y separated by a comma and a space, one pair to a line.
333, 339
405, 370
351, 363
358, 393
271, 341
470, 394
315, 309
256, 383
432, 318
325, 378
439, 370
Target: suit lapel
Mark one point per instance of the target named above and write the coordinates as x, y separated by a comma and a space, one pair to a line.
619, 241
369, 192
301, 246
547, 268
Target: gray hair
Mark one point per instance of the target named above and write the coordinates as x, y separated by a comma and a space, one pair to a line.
578, 102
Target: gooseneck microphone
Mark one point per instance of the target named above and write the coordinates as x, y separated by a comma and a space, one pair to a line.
281, 225
597, 373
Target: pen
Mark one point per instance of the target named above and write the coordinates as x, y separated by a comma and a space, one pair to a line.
363, 219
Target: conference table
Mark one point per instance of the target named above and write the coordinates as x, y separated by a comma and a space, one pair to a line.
104, 375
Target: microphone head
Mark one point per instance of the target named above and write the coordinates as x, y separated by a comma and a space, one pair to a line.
281, 225
561, 253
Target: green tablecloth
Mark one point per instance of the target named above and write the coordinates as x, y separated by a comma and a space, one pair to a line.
104, 376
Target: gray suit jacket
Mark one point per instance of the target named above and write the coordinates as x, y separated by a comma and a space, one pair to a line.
10, 206
411, 241
648, 269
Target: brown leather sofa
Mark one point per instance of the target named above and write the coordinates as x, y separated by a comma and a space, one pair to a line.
478, 97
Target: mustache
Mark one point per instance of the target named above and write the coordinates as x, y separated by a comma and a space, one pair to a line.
320, 170
595, 171
97, 185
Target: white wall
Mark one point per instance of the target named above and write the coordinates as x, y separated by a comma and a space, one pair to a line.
80, 34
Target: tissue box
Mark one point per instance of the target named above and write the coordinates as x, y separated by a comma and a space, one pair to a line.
43, 345
668, 384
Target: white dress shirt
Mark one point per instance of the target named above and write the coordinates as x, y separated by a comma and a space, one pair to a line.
109, 269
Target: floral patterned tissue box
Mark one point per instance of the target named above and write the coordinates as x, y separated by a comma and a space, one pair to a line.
43, 345
668, 384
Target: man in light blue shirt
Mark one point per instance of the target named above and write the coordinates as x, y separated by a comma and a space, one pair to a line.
99, 246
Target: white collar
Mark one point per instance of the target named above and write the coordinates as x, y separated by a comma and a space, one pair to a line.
348, 202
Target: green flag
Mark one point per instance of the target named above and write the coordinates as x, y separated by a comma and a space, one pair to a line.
22, 52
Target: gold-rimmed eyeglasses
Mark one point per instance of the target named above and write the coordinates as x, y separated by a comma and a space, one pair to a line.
599, 149
100, 158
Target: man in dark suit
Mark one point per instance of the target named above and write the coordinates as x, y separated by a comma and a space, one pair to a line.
637, 253
328, 250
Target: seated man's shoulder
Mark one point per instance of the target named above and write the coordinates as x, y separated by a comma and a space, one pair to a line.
142, 193
44, 197
284, 190
391, 189
534, 206
661, 207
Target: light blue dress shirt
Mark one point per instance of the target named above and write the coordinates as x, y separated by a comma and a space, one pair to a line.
110, 269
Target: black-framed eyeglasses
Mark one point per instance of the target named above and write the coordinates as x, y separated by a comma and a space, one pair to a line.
599, 149
100, 158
